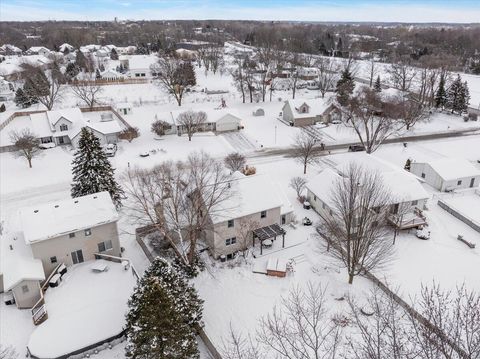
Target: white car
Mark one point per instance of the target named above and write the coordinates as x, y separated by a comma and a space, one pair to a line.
111, 149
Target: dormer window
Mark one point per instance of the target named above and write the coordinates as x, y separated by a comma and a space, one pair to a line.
63, 127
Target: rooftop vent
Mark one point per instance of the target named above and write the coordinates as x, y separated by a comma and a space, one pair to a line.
35, 211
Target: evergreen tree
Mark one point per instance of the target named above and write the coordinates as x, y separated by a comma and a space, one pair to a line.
21, 98
72, 70
97, 74
458, 96
345, 87
80, 60
441, 95
113, 54
92, 171
163, 313
3, 108
377, 86
102, 67
408, 164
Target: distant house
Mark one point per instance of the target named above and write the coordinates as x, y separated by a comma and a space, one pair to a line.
218, 120
38, 50
258, 112
447, 174
111, 75
301, 112
307, 73
7, 91
125, 108
9, 50
256, 202
408, 197
64, 126
169, 125
139, 66
192, 45
66, 47
67, 232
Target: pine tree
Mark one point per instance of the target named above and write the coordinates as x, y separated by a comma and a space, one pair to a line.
441, 95
113, 54
458, 96
377, 86
345, 87
92, 171
80, 60
71, 70
408, 164
163, 313
21, 98
98, 75
3, 108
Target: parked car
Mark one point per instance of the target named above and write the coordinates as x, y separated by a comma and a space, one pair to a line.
144, 154
356, 148
48, 145
111, 149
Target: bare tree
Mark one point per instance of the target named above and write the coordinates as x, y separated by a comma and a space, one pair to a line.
159, 127
245, 235
373, 118
299, 327
306, 149
174, 75
294, 63
355, 226
327, 76
298, 184
8, 352
238, 346
239, 76
265, 62
43, 85
401, 75
372, 71
129, 134
454, 318
191, 122
26, 144
382, 327
87, 91
179, 200
411, 111
235, 162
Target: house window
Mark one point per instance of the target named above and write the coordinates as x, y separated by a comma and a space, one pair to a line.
230, 223
25, 289
459, 183
88, 232
63, 127
230, 241
104, 246
263, 214
315, 198
53, 260
423, 175
71, 235
414, 203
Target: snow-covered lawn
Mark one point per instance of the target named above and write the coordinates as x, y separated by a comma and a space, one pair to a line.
467, 203
86, 308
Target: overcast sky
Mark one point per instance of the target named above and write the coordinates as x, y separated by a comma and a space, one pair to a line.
460, 11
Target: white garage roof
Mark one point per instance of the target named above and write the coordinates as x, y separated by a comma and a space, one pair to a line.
453, 168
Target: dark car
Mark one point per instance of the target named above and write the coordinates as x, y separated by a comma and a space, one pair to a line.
356, 148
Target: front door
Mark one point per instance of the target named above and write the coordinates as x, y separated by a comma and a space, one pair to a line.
472, 181
61, 140
284, 219
77, 257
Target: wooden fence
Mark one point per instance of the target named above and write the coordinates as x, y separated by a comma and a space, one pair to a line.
106, 82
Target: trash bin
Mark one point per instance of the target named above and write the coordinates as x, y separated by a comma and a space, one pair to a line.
223, 258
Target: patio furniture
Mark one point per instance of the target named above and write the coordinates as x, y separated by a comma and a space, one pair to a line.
306, 205
267, 243
277, 267
55, 280
99, 267
62, 269
307, 221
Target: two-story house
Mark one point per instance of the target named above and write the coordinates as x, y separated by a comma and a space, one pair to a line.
68, 231
303, 112
256, 202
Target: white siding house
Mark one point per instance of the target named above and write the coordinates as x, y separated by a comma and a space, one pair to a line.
408, 197
447, 174
302, 112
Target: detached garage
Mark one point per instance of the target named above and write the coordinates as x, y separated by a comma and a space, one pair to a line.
225, 121
447, 174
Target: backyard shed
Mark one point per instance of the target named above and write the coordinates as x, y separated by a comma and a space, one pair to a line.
259, 112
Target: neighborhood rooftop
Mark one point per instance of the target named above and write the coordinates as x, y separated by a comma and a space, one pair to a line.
453, 168
53, 219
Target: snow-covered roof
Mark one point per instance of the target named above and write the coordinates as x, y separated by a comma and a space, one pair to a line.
65, 46
37, 49
136, 62
250, 194
213, 115
9, 47
53, 219
106, 127
16, 261
402, 185
12, 65
453, 168
316, 107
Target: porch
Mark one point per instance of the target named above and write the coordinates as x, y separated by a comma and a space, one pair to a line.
408, 220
